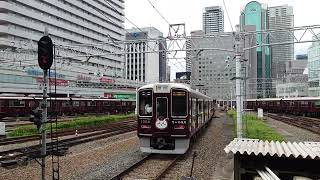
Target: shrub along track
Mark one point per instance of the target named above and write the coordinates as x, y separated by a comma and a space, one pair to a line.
306, 123
21, 155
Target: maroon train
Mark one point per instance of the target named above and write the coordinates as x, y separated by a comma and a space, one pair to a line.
22, 106
169, 115
308, 106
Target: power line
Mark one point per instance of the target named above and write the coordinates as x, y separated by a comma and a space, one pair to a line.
158, 12
135, 24
225, 7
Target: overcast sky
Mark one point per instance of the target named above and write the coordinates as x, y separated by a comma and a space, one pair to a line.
306, 12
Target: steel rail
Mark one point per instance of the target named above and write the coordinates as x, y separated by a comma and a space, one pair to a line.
159, 175
64, 132
21, 154
305, 123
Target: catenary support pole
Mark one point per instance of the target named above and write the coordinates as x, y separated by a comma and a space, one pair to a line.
238, 82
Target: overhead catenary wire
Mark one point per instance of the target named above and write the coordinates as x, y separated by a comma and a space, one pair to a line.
135, 25
225, 7
158, 12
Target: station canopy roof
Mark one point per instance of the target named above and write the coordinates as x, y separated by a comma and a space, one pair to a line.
301, 150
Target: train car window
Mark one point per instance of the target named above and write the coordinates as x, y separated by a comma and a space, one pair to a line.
16, 103
317, 104
65, 104
82, 104
194, 107
92, 103
76, 103
304, 103
1, 103
145, 103
179, 103
106, 103
162, 107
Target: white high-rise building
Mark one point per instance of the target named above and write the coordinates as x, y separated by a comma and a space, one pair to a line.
209, 71
314, 68
142, 64
72, 25
68, 22
213, 20
281, 17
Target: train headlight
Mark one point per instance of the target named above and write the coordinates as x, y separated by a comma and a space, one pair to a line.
161, 123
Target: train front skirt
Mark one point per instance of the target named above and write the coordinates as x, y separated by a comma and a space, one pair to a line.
149, 145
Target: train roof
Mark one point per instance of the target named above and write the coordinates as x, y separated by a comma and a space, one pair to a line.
301, 99
63, 98
265, 99
171, 85
176, 86
287, 99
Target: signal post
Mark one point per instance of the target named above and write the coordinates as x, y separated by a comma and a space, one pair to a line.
45, 60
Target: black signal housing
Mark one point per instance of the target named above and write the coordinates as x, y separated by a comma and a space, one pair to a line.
45, 52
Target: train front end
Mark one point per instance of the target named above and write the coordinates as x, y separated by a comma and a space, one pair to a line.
163, 118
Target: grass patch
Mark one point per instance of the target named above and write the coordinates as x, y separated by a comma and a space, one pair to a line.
255, 128
78, 122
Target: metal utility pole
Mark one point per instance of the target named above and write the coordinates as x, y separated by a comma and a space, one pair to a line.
43, 125
238, 82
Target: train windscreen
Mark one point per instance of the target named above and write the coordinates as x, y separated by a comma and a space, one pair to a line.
162, 107
145, 103
179, 103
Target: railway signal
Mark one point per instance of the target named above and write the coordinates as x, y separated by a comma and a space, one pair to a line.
45, 52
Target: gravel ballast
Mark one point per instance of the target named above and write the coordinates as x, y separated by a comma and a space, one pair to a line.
292, 133
82, 159
211, 162
103, 159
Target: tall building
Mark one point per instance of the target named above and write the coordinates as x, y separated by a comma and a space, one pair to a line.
295, 83
213, 20
142, 65
210, 73
314, 68
255, 16
72, 25
188, 55
281, 17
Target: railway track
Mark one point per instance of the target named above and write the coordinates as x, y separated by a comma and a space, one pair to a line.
306, 123
65, 132
20, 155
153, 166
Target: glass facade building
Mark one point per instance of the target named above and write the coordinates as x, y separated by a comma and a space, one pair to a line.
255, 14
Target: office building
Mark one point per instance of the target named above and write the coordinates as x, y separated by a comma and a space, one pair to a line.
212, 70
146, 61
78, 29
213, 20
254, 17
295, 82
281, 17
314, 68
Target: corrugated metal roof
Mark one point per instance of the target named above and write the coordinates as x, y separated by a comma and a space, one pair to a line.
305, 150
